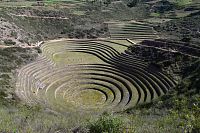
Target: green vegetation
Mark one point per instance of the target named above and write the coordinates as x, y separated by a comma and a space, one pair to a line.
106, 123
181, 28
12, 58
183, 2
155, 14
9, 42
32, 119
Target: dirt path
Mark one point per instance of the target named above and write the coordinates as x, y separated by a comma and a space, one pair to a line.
4, 46
61, 18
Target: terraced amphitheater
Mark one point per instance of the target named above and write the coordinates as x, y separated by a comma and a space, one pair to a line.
90, 75
93, 66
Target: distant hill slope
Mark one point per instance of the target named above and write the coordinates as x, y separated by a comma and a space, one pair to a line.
187, 27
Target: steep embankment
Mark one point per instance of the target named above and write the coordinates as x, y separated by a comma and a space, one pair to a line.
30, 25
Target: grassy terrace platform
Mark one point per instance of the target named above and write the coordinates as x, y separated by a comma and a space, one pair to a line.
131, 30
90, 75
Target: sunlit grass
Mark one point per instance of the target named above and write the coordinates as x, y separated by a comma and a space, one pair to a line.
69, 58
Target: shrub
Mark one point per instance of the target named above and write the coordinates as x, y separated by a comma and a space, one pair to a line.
80, 129
106, 124
9, 42
14, 34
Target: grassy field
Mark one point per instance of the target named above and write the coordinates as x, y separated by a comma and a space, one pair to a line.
182, 2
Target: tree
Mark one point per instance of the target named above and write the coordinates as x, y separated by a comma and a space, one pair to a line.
186, 39
107, 2
133, 3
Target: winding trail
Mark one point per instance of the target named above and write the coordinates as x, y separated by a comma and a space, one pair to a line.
42, 17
